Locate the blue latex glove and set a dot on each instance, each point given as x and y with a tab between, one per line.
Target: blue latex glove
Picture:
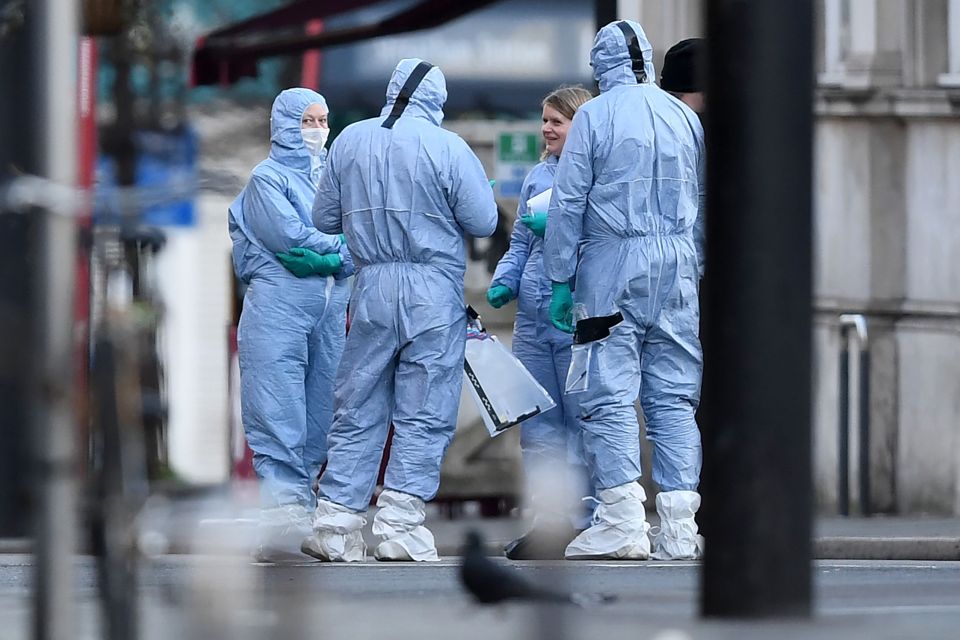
537	223
561	307
499	295
305	262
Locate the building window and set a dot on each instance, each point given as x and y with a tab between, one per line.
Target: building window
952	77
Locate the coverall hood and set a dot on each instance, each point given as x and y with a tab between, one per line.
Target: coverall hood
611	59
286	141
428	98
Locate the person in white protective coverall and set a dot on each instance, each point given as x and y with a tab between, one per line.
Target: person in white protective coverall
552	455
626	221
405	193
292	327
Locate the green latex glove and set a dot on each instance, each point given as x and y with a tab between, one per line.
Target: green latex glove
492	182
304	262
561	306
537	223
499	295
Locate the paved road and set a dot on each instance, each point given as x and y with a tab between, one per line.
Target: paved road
210	597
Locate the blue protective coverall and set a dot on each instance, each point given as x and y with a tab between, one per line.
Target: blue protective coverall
404	192
292	329
626	218
542	348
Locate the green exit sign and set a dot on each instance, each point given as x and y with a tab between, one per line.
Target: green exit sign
520	148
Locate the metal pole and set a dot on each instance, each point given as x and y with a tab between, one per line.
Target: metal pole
604	12
858	323
865	507
54	27
756	436
843	429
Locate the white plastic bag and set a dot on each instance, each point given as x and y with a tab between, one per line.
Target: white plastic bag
578	374
505	392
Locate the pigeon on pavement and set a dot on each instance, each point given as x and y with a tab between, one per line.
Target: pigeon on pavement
491	583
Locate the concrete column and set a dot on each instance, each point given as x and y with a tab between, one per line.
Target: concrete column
933	213
885	378
842	205
860	267
887	248
929	331
826	347
928	448
887	211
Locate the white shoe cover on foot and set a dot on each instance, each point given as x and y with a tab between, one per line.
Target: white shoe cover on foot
337	534
677	538
399	525
619	529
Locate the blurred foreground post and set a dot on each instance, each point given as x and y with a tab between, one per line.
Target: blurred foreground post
16	232
756	436
53	30
605	12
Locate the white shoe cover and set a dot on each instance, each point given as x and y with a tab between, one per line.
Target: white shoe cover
619	530
677	538
280	531
337	534
399	525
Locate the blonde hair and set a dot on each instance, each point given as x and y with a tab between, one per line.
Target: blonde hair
566	100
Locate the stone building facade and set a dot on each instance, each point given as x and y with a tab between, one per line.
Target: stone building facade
887	235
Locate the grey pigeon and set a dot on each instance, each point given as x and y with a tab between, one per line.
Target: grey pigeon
491	583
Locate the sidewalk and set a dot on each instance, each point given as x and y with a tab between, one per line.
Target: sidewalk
835	538
887	538
854	538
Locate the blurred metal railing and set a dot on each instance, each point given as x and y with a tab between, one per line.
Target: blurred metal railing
853	327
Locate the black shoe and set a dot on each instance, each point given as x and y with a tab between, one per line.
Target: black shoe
538	544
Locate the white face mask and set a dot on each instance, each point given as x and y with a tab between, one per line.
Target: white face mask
315	139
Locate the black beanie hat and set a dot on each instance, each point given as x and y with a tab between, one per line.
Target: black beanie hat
683	66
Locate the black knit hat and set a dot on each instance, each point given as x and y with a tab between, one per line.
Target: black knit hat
683	67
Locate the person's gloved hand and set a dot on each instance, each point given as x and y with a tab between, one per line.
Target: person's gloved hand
561	307
499	295
347	268
304	262
537	223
